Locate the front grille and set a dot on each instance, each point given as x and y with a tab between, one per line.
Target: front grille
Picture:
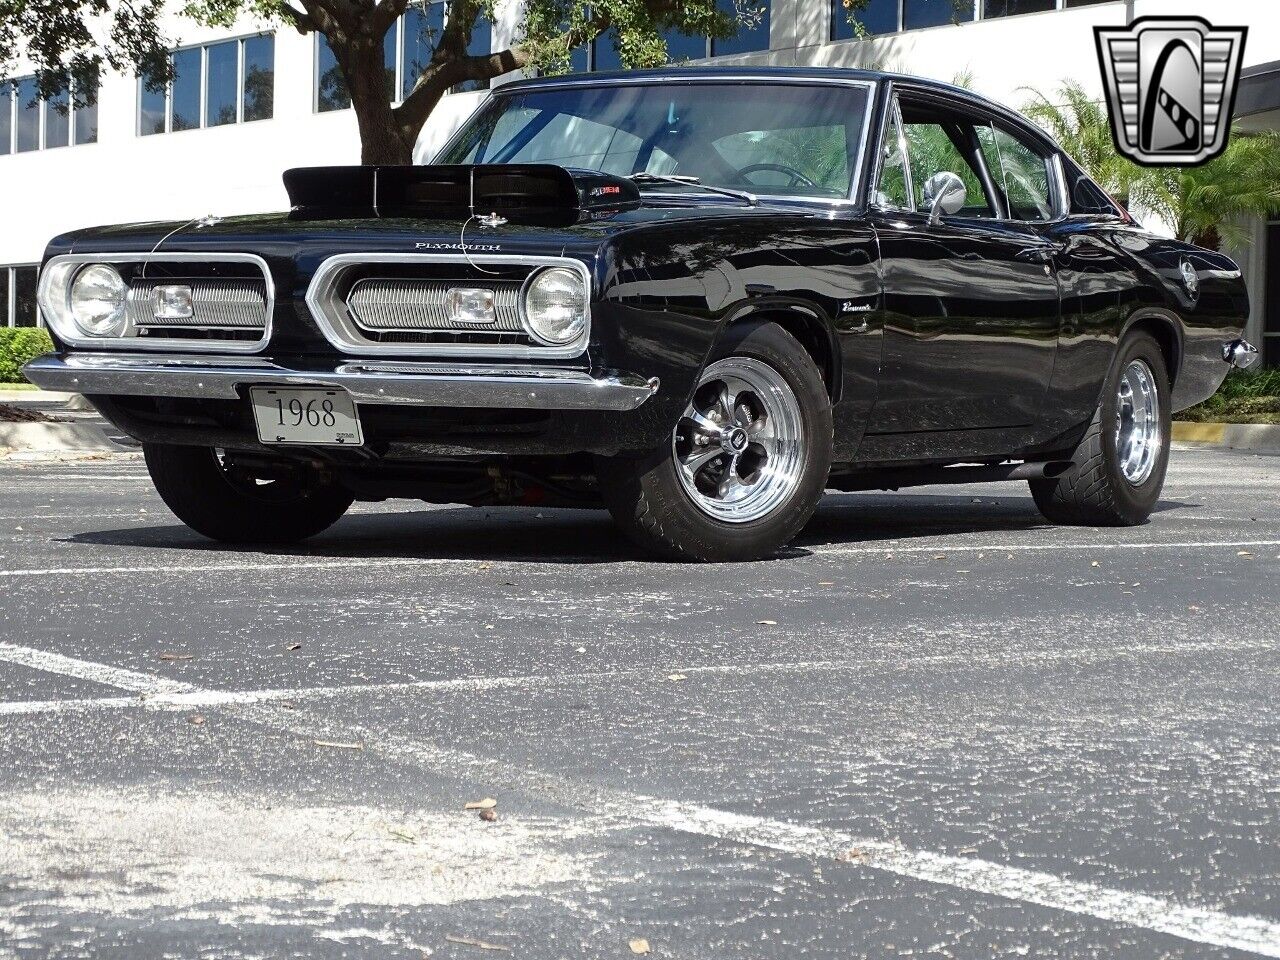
238	307
381	305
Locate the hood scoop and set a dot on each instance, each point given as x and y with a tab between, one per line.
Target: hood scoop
534	194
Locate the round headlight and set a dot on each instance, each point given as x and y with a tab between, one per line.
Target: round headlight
97	301
556	305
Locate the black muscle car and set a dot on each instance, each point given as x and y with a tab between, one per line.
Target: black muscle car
695	297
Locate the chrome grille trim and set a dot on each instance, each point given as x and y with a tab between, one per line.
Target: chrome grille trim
336	321
216	304
165	343
380	305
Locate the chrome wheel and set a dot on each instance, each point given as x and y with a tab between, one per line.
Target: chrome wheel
1138	439
738	447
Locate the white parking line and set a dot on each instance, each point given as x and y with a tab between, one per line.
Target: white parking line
285	564
196	697
1197	924
943	547
88	670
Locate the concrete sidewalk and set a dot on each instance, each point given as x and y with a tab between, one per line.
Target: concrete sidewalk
1255	437
74	427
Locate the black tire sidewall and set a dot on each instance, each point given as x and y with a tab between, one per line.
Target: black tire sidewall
676	526
192	483
1135	502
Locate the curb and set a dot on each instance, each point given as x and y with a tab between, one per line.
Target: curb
57	438
1261	437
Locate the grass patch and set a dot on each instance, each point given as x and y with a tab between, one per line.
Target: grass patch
1244	397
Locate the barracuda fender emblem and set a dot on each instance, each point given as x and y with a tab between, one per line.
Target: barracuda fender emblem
1171	86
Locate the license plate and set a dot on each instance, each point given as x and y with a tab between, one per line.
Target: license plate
313	416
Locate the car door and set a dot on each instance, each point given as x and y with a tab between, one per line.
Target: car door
971	303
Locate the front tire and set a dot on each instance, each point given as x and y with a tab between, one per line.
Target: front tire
1118	469
224	502
747	462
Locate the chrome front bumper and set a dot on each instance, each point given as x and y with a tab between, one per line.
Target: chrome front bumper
368	381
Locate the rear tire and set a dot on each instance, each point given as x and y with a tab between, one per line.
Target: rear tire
229	505
735	485
1118	469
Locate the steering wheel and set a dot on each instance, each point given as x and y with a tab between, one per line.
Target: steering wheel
798	179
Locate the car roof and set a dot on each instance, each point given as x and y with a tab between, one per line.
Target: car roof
778	74
728	73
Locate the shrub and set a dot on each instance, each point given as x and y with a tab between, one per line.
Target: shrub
17	346
1246	396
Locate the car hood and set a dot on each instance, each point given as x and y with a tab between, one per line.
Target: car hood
284	235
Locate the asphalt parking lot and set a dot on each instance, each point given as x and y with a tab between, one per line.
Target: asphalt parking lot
937	727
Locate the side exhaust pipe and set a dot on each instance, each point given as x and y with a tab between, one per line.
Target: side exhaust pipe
927	476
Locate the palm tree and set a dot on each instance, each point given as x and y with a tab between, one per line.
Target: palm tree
1207	205
1080	125
1204	205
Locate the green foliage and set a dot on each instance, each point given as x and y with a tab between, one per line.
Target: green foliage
1205	204
1202	204
1246	396
17	346
1081	126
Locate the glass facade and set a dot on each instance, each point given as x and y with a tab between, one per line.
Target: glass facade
26	111
917	14
57	120
220	96
258	96
753	30
1011	8
880	16
232	81
419	32
19	287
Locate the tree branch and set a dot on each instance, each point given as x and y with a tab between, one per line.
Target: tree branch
300	21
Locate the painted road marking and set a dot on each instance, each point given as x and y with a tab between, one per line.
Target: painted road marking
194	697
286	563
1196	924
122	679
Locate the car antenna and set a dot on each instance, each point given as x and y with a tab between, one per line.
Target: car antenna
462	238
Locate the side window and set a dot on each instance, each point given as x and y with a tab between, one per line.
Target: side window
893	191
933	140
1022	173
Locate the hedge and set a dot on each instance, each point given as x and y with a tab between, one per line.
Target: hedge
17	346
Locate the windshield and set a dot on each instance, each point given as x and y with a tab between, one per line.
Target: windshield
776	139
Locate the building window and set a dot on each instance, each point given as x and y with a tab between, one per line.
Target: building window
602	52
18	297
751	36
880	16
28	122
232	81
406	52
1011	8
934	13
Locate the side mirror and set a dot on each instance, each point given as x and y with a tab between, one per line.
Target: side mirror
944	193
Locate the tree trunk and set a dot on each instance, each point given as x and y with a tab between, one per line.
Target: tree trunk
1209	239
380	140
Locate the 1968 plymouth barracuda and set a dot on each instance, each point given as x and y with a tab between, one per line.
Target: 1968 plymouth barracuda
698	298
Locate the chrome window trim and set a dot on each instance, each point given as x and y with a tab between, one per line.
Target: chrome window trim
155	344
855	176
329	314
